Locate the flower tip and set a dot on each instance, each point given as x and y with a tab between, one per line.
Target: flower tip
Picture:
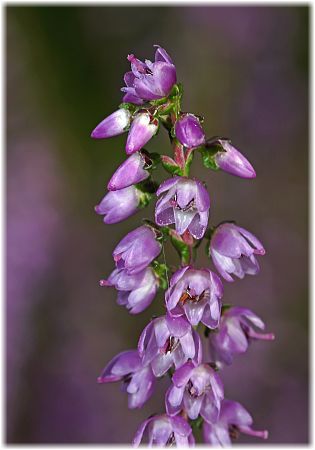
104	283
100	380
265	434
97	209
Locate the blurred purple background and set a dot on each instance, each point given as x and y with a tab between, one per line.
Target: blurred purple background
246	70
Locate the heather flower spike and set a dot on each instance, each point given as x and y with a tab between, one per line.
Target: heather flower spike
171	344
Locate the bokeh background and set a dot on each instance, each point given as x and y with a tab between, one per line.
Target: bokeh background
245	68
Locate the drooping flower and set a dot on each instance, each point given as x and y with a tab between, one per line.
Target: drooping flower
197	293
184	202
137	250
169	340
117	123
149	81
136	292
234	334
164	431
137	380
233	251
197	390
233	419
118	205
131	171
229	159
144	126
188	131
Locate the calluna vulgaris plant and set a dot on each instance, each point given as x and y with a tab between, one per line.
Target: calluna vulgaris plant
171	344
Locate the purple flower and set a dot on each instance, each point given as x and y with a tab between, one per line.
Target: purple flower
118	205
189	132
232	161
149	81
130	172
165	431
136	291
235	331
233	419
137	250
116	123
197	293
186	203
144	126
233	251
169	340
138	380
198	390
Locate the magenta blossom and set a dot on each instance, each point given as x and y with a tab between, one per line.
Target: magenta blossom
136	292
131	171
232	161
197	390
149	81
236	330
233	419
196	293
189	132
169	340
117	123
137	380
165	431
184	202
119	205
137	250
144	126
233	251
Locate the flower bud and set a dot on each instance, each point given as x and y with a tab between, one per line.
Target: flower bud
142	129
130	172
115	124
232	161
189	131
118	205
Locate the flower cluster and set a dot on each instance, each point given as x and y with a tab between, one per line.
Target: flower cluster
171	344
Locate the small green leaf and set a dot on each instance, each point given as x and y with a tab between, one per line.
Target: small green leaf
196	424
130	106
161	271
208	157
174	169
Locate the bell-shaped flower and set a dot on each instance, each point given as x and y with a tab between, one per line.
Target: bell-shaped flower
131	171
136	292
233	419
232	161
117	123
197	390
149	81
197	294
164	431
137	380
144	126
168	341
235	332
185	202
119	205
233	251
137	250
189	132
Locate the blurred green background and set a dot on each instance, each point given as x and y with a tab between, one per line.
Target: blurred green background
245	68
